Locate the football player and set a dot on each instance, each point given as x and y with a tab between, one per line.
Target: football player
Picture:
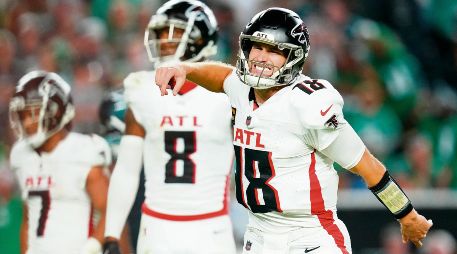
61	173
288	131
112	113
183	141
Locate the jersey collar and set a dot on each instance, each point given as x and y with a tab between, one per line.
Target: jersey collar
187	87
251	97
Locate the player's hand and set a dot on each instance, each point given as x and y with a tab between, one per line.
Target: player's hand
414	228
111	247
170	76
92	246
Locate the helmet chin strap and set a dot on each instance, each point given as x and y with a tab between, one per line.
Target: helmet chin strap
259	82
36	140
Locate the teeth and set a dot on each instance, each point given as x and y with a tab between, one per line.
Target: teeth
263	68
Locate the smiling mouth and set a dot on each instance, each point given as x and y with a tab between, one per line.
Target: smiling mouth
261	69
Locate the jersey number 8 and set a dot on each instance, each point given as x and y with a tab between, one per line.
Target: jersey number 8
171	147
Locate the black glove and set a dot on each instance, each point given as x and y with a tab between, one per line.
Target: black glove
111	247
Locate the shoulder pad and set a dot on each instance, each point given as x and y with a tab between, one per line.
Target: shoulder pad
136	79
135	84
19	148
102	151
317	103
139	88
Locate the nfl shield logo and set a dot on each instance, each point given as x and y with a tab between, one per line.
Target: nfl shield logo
248	120
248	246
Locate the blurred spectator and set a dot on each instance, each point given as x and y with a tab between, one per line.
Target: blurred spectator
17	8
90	42
120	25
133	59
439	242
30	39
443	133
10	212
97	42
395	62
442	18
10	71
409	19
87	90
419	156
66	15
391	242
437	121
374	120
46	59
226	42
397	68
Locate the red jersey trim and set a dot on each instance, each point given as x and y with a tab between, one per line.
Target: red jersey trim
187	87
90	230
224	211
318	207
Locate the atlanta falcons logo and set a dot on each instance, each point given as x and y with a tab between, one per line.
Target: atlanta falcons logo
198	11
299	32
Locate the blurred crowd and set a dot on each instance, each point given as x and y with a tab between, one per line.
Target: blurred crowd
395	62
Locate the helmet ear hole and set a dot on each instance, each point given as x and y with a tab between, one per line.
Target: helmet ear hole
246	45
199	41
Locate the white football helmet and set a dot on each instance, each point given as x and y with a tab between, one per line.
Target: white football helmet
47	96
200	31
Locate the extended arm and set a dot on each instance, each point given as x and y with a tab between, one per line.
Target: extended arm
97	188
414	227
210	75
348	146
125	178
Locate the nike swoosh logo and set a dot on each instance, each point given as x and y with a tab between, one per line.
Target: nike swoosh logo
323	113
311	249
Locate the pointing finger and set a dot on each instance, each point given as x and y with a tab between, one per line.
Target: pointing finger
179	82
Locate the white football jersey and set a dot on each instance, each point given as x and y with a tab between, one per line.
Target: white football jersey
53	186
188	151
280	175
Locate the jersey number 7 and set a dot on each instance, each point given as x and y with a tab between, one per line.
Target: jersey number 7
45	205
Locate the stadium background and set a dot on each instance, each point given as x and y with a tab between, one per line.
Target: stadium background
394	61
